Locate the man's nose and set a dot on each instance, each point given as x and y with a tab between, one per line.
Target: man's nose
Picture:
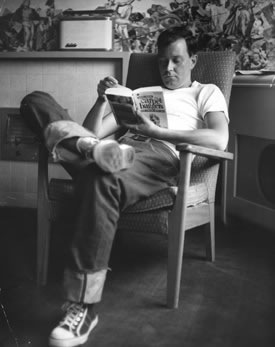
170	66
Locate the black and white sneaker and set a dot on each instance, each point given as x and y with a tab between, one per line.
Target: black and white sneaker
75	327
109	155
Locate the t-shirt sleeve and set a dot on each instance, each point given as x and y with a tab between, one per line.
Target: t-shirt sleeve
211	99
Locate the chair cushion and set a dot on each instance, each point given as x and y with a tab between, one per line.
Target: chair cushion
151	215
61	189
155	222
166	198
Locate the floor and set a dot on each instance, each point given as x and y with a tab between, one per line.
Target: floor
228	303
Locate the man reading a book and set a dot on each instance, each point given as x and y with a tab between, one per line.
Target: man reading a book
112	175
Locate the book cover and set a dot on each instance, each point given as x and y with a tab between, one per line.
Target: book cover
148	100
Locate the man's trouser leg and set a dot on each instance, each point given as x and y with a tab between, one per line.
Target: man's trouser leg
101	197
39	109
52	124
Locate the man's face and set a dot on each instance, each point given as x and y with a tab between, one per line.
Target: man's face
175	65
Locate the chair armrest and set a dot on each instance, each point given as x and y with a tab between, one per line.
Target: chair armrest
204	151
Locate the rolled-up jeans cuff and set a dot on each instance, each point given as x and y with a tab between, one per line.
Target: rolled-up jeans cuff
84	287
60	130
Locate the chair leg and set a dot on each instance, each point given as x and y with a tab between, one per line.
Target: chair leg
43	241
176	232
175	254
210	235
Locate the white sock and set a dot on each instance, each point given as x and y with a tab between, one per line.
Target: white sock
86	144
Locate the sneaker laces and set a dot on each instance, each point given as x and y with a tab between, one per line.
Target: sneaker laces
73	315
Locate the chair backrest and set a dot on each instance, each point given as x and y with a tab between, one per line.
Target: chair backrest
212	67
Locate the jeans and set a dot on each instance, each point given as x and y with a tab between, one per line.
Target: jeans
101	198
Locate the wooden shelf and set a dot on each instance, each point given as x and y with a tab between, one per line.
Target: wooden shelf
65	55
123	57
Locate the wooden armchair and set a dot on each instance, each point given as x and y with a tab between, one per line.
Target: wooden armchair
171	211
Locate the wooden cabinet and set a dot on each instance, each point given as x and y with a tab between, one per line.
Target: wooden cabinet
251	177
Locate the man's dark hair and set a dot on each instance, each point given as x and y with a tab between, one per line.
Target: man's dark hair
172	34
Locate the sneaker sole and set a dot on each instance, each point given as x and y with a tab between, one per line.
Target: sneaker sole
74	341
113	157
128	156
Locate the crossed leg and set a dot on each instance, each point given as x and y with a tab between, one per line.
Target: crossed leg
68	141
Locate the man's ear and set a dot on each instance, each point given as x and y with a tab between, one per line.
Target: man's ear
194	59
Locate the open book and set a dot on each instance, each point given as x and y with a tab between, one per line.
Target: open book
149	101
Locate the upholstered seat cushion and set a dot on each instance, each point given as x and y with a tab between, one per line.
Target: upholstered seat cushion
166	198
60	189
149	215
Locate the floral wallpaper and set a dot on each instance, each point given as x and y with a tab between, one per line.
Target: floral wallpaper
245	26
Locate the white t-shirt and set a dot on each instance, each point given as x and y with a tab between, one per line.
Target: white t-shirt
187	107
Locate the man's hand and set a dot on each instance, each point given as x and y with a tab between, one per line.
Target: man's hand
107	82
144	126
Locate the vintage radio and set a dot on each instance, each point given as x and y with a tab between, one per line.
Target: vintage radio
86	32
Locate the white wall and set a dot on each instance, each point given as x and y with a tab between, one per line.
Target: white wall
72	82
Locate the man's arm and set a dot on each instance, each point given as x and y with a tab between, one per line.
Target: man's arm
214	136
97	121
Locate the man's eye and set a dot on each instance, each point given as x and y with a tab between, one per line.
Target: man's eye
178	61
